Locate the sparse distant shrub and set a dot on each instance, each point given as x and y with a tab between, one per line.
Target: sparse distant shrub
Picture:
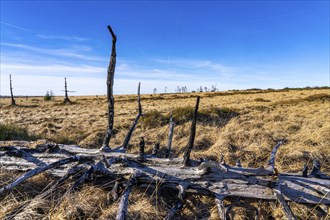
48	96
253	89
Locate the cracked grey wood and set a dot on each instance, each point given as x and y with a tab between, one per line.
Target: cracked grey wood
123	204
207	178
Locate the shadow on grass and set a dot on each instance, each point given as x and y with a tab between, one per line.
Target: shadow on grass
15	132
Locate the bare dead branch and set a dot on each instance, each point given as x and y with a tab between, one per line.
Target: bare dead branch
285	207
123	205
131	130
271	162
222	209
42	169
190	144
170	137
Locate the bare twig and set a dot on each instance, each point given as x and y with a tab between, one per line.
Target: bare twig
131	130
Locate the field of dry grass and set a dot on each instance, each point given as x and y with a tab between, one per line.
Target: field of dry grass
244	125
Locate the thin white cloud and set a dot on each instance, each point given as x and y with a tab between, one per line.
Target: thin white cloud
74	52
199	65
13	26
51	70
58	37
37	70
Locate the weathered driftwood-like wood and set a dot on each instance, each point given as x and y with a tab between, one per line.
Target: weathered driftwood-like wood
41	169
222	209
305	170
316	170
25	210
123	205
12	151
190	144
111	100
170	137
285	207
115	192
271	162
11	92
208	178
131	130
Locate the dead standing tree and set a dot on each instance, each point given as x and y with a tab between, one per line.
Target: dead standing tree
66	97
111	100
66	91
11	92
220	181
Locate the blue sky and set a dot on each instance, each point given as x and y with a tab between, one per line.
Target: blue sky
233	44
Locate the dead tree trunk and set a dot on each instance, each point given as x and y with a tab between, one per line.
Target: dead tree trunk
66	97
190	144
111	101
131	130
11	92
170	137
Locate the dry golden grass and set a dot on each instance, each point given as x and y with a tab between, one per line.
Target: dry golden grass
257	120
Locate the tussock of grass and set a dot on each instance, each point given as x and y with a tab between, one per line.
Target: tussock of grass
153	119
316	97
87	203
311	98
